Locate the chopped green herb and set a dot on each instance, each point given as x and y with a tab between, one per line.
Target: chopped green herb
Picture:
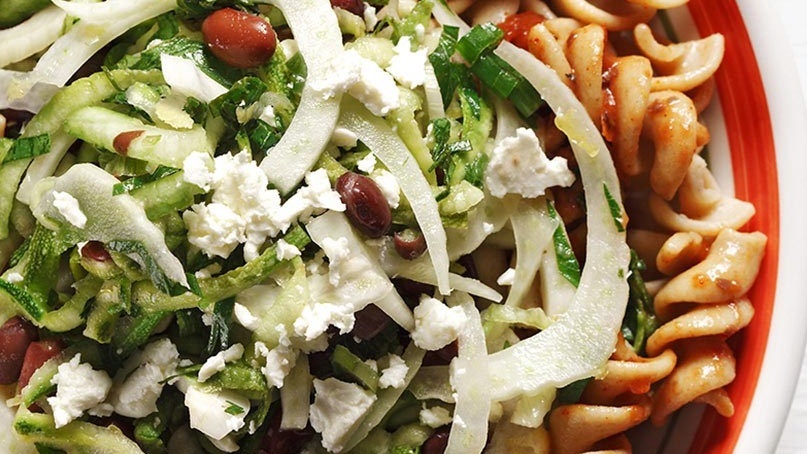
27	147
567	262
138	181
616	210
233	409
640	319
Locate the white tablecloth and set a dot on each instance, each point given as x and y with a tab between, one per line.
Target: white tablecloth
792	13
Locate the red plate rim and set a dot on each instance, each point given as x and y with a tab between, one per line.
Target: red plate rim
753	157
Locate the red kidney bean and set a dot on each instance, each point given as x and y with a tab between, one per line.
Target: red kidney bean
16	335
239	39
367	208
369	322
35	356
409	244
437	442
122	141
95	250
354	6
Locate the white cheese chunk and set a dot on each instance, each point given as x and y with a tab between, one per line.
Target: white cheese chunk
79	388
218	362
507	278
337	410
518	165
434	417
69	208
363	79
134	393
406	66
216	414
436	325
394	375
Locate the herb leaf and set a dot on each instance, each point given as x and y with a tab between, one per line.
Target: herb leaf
27	147
567	262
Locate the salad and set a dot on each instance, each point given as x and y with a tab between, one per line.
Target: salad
396	226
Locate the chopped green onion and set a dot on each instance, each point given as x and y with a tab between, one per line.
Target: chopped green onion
480	39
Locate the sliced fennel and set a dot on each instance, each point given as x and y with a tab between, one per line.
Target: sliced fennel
84	40
391	151
532	228
31	36
469	378
580	342
362	280
387	397
122	221
319	40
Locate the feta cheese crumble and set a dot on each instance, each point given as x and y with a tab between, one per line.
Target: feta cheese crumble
242	209
216	414
285	250
218	362
436	325
343	137
394	375
135	392
338	253
507	278
434	417
79	388
363	79
518	165
69	208
406	66
337	410
279	362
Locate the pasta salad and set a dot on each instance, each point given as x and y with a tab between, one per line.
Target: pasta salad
383	226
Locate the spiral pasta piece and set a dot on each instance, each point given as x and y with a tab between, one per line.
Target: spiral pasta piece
660	4
672	124
683	66
629	376
612	14
705	364
713	319
627	92
546	46
703	208
577	428
681	251
727	273
585	50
